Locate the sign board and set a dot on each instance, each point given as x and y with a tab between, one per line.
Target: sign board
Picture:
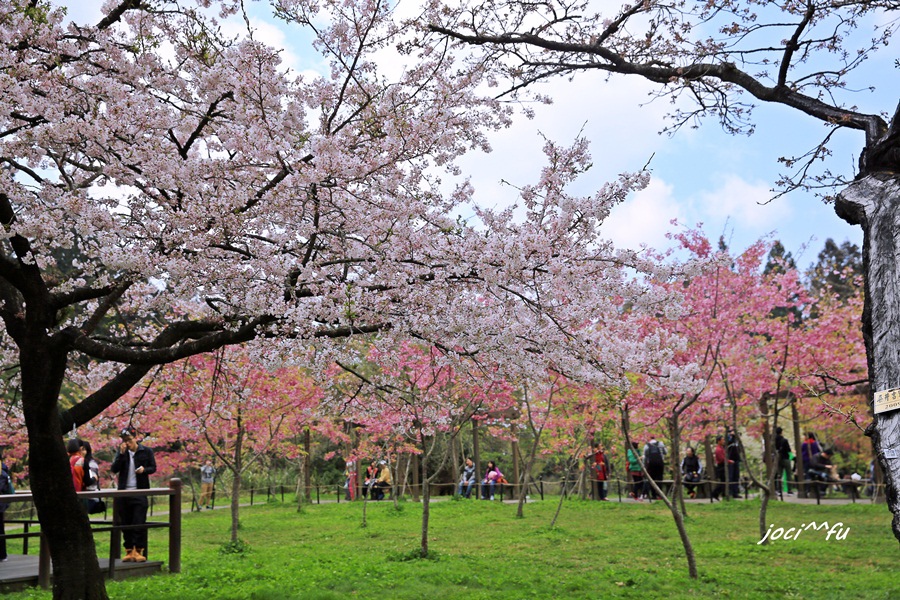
887	400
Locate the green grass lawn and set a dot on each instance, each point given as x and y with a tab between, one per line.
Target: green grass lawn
597	550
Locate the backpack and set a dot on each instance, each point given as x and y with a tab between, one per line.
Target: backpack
654	455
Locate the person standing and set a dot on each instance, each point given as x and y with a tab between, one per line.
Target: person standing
600	472
133	463
350	480
76	463
207	482
91	478
782	461
719	458
655	462
634	470
733	452
809	448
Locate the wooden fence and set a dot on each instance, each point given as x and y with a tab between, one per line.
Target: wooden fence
31	527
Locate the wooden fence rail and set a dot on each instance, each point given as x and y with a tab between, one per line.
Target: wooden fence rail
538	488
173	492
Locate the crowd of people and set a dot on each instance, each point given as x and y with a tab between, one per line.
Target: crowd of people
817	466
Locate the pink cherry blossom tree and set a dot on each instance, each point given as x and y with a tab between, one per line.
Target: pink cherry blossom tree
716	59
238	411
421	397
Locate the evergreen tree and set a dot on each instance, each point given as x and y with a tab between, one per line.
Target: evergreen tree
779	260
838	269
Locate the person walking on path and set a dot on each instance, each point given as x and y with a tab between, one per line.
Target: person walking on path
635	472
782	461
655	462
207	482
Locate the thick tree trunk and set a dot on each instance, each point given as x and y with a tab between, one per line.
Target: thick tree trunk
64	521
873	202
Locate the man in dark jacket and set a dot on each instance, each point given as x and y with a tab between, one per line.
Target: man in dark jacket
782	460
821	468
733	451
134	463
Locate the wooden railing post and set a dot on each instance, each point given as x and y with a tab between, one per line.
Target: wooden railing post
175	485
115	540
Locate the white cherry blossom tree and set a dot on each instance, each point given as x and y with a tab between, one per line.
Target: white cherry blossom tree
167	190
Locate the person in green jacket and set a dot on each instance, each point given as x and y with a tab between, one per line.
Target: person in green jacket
634	470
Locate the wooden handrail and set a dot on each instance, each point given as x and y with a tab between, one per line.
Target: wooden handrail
174	492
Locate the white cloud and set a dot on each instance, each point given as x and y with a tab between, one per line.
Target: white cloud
735	208
645	218
623	137
747	203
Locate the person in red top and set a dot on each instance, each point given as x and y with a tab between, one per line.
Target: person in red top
76	463
719	458
600	472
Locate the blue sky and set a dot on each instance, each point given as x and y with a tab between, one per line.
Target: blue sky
699	175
